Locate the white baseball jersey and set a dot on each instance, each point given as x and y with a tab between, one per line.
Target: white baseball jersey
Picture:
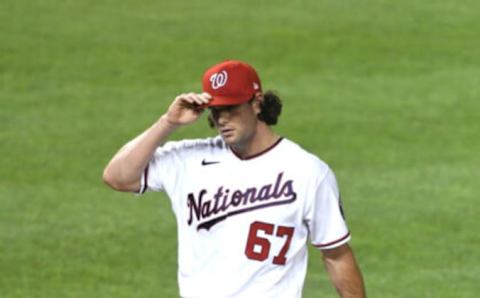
243	224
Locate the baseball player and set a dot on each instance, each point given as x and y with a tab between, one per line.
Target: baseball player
248	201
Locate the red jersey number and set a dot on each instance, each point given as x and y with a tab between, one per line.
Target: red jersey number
258	247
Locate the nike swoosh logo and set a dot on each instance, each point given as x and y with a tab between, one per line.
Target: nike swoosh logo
206	163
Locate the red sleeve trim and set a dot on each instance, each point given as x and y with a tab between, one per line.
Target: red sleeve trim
333	242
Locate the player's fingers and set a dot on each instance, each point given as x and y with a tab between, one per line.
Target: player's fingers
205	97
197	99
194	101
183	98
186	100
189	97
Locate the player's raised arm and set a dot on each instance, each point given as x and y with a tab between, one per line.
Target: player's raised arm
124	170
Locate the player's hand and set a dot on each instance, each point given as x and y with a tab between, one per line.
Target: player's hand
187	108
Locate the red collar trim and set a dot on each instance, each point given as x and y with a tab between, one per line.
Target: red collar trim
257	154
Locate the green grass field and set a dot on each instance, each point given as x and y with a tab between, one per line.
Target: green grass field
387	92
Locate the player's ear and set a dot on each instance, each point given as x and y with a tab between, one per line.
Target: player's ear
257	102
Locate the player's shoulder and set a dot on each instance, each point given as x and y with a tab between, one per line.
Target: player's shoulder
304	158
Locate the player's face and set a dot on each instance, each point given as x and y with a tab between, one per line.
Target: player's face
236	124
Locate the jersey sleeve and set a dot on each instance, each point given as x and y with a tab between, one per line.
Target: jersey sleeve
325	219
163	169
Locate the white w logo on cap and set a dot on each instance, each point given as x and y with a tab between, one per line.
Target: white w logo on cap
219	79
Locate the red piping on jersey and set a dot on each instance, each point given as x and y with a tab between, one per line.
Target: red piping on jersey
333	242
257	154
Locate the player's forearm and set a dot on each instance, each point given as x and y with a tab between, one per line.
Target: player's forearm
350	285
125	169
345	273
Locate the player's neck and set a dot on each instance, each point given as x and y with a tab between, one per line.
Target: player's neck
263	139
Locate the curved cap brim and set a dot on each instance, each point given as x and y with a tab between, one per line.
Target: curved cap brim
228	101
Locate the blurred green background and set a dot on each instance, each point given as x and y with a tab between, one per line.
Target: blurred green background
387	92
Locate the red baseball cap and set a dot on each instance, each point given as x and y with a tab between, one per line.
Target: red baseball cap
231	82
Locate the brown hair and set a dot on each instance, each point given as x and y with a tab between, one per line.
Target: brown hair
270	108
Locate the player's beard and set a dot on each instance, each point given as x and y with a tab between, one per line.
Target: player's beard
238	128
237	138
